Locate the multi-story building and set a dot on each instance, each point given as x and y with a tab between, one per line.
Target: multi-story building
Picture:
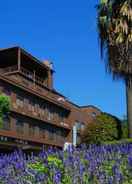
39	114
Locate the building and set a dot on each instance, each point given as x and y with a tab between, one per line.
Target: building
39	114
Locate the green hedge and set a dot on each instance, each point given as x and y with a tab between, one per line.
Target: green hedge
122	141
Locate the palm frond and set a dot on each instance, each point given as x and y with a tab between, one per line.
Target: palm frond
114	21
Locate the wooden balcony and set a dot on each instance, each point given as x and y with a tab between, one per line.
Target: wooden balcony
33	83
35	139
28	74
9	69
40	117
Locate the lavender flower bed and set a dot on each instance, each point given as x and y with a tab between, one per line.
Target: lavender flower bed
110	164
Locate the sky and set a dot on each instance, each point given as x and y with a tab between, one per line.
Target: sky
65	33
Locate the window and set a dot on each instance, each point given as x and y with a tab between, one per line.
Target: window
94	114
49	116
80	125
43	111
36	107
39	110
51	132
20	101
19	126
31	130
60	134
50	113
6	122
61	115
25	102
29	106
33	106
42	133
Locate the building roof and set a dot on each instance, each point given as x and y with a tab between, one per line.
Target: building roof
90	106
34	59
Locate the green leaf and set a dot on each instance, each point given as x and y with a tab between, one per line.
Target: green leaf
103	1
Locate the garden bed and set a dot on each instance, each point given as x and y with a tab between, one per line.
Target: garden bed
108	164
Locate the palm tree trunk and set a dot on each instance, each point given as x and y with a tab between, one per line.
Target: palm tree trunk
129	104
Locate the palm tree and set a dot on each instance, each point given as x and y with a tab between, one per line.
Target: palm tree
115	33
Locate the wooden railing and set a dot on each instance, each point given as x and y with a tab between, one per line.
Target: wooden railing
9	69
34	83
28	74
56	121
32	76
36	139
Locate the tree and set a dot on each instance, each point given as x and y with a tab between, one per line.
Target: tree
115	33
4	107
104	127
124	125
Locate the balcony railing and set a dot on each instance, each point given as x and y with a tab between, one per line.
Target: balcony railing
56	121
34	82
28	74
36	139
9	69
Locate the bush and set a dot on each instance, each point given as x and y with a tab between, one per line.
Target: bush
124	126
119	142
4	107
4	104
104	128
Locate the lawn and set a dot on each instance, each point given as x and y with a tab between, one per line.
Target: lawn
108	164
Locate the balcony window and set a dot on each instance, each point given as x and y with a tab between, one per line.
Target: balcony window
60	134
51	132
61	116
36	107
20	101
25	101
39	111
31	130
29	106
42	133
19	126
43	112
33	106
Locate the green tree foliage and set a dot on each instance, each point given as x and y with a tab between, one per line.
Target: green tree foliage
115	33
114	21
124	126
104	128
4	107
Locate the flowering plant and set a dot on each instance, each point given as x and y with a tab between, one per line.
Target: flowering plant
110	164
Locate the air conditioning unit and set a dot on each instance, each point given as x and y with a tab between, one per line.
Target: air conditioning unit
61	99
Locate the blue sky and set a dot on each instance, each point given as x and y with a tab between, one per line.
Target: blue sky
64	32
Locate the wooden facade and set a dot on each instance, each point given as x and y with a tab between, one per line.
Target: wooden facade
39	114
